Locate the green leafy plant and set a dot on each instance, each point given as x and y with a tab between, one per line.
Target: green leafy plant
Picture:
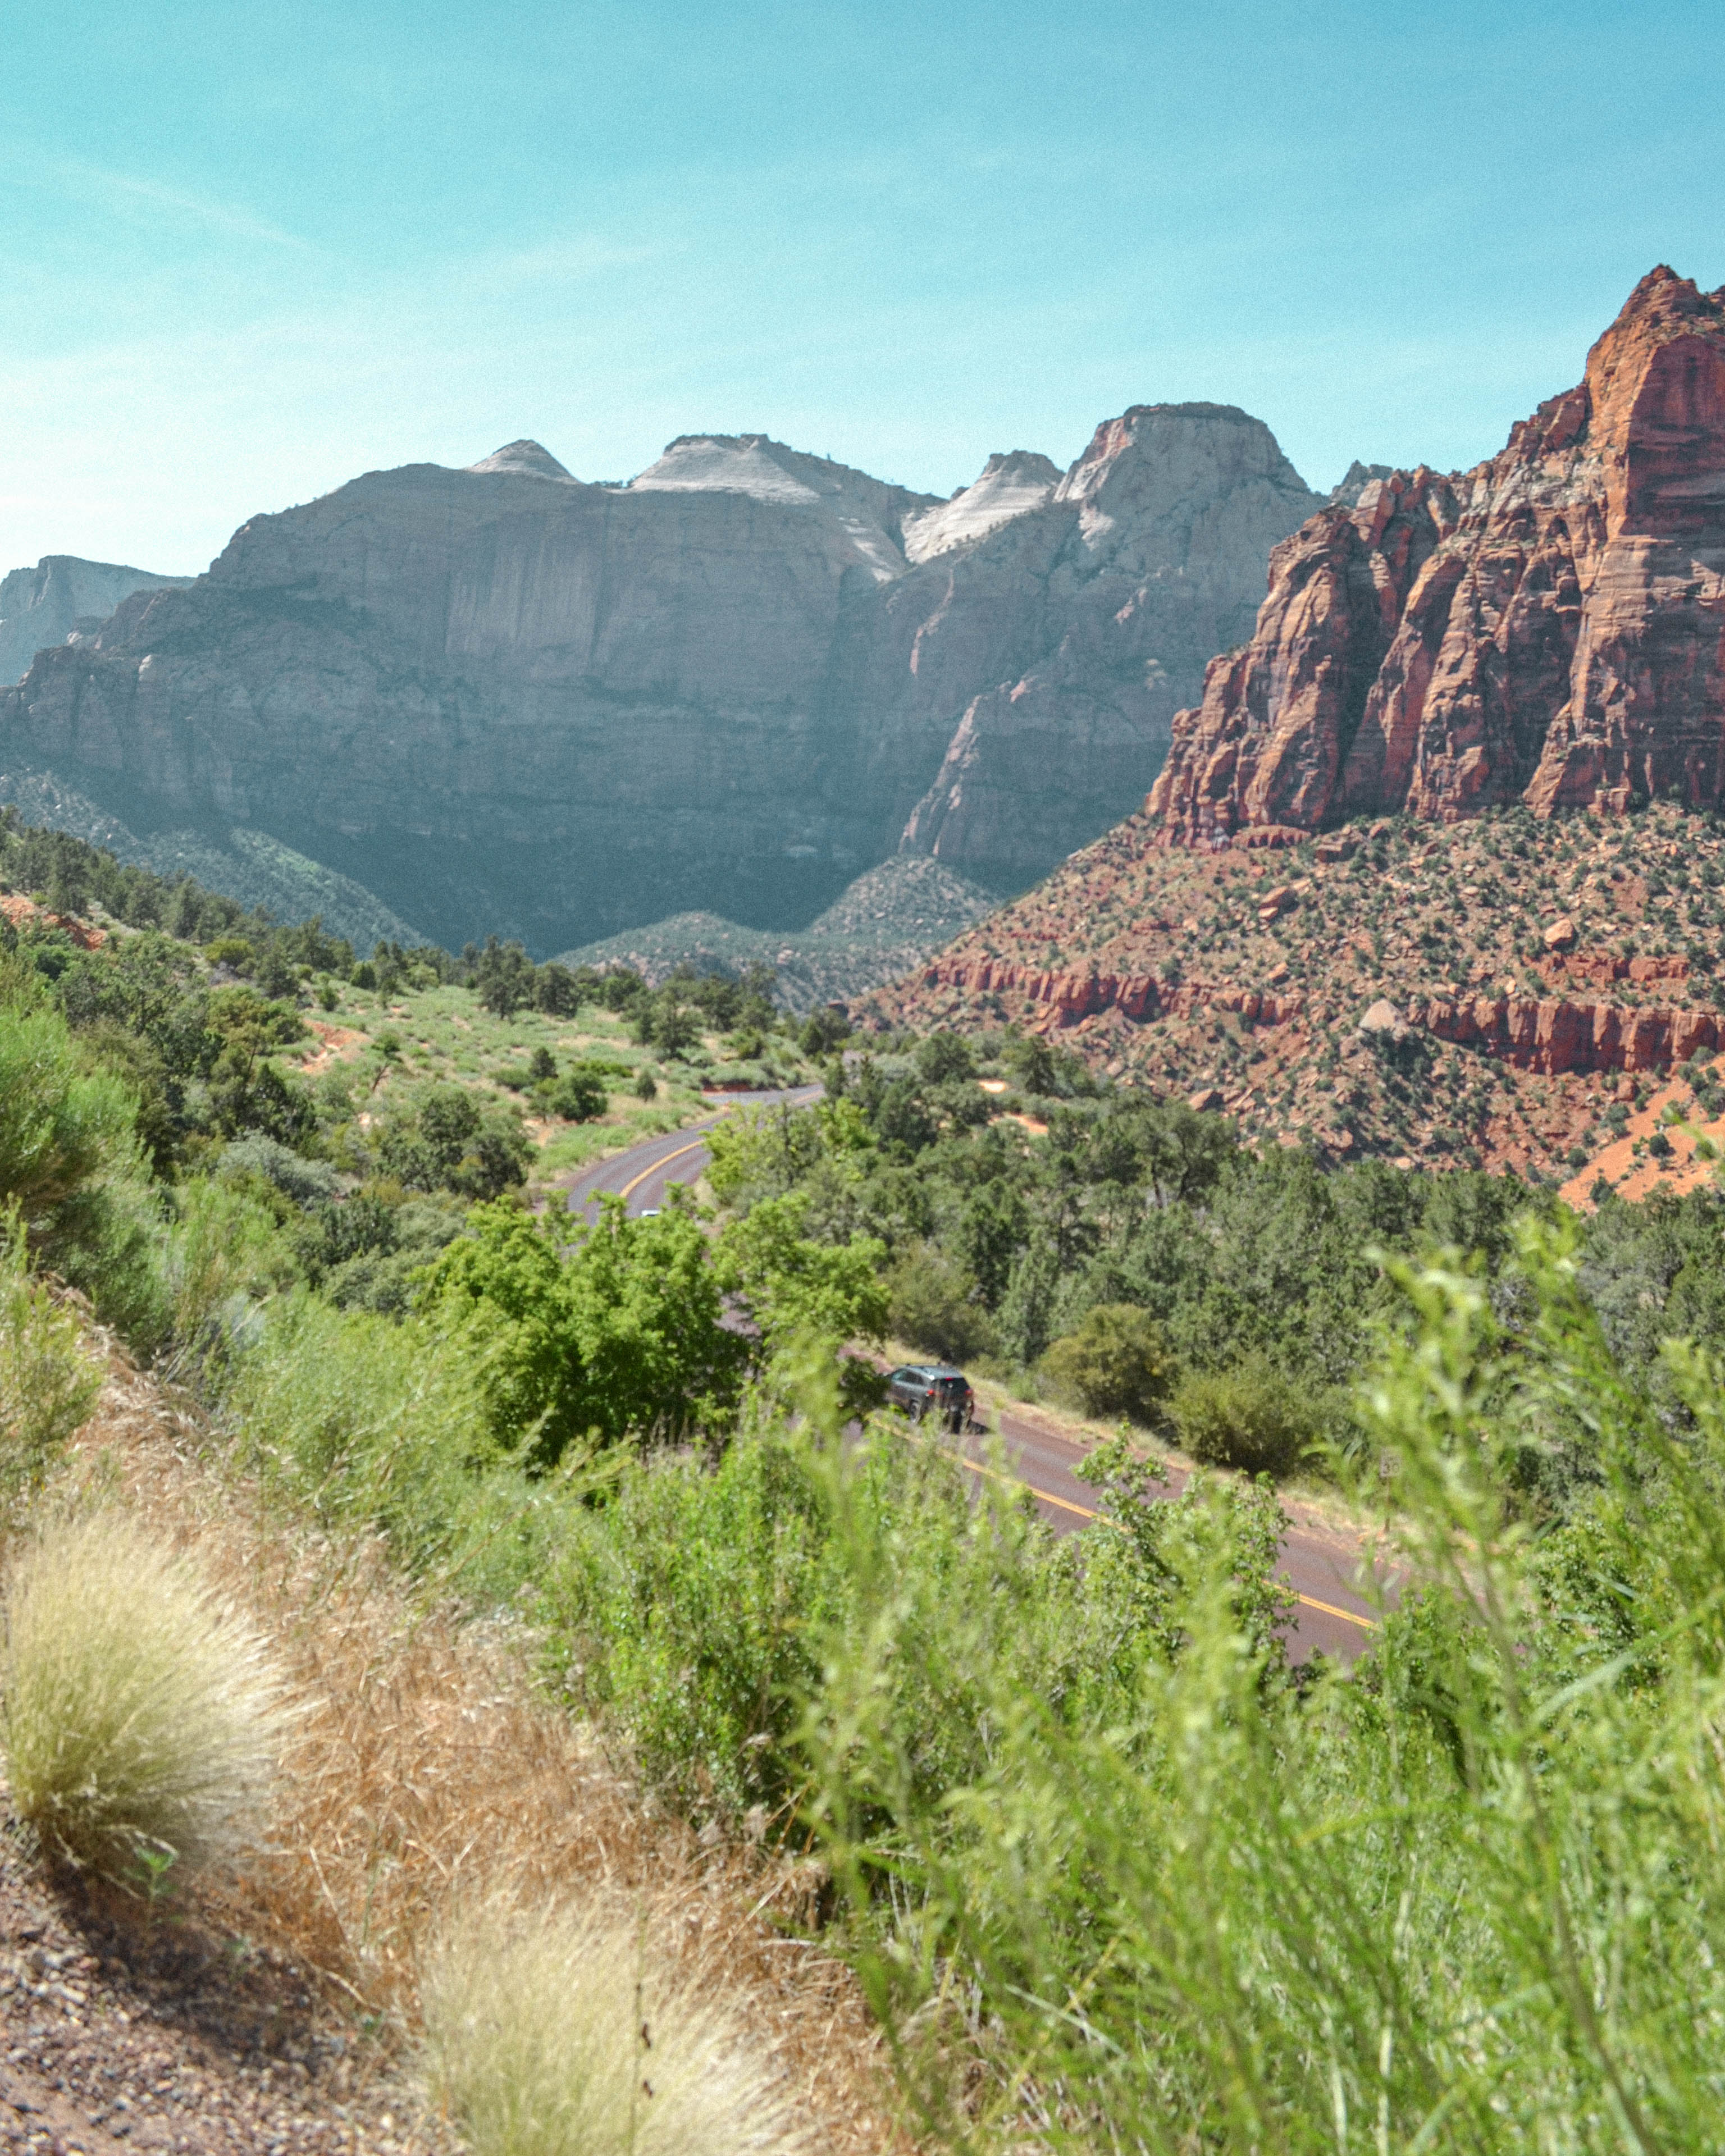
49	1383
1250	1417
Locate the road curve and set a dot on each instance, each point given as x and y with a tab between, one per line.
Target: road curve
1319	1563
641	1176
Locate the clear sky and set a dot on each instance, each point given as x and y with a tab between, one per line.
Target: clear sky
251	249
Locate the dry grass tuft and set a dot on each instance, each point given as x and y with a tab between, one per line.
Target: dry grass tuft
422	1772
565	2034
140	1718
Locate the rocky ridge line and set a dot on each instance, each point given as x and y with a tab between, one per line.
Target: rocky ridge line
505	699
1547	627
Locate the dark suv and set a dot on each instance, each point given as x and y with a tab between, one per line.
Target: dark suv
921	1389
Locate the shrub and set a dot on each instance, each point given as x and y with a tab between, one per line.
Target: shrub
58	1126
305	1180
934	1306
944	1055
48	1383
364	1419
139	1719
234	951
578	1096
1116	1362
565	2034
222	1247
1250	1417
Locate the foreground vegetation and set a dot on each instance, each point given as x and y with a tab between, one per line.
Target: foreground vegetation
1114	1874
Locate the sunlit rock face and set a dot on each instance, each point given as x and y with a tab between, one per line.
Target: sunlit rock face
1548	627
62	596
504	698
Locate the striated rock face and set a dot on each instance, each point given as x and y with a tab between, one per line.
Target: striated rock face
505	699
1007	487
1549	626
1552	1034
62	597
1132	572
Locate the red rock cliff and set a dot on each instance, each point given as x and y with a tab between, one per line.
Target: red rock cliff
1549	626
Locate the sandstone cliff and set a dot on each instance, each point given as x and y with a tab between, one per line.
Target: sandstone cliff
1549	626
504	698
61	597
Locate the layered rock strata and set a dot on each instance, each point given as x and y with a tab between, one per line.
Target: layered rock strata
1546	1034
505	699
1551	1034
1548	627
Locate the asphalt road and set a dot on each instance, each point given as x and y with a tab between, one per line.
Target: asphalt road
1319	1563
640	1176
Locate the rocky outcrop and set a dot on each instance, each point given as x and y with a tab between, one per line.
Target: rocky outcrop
1551	1034
1548	627
1008	486
1066	997
503	698
1546	1034
61	597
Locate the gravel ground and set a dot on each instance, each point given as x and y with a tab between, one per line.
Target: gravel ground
115	2037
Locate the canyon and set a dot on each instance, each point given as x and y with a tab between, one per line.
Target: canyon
502	699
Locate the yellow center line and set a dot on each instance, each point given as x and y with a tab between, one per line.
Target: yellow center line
1084	1512
665	1160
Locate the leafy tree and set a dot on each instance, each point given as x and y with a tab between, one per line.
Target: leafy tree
825	1030
944	1055
936	1305
1117	1363
622	1335
795	1288
557	992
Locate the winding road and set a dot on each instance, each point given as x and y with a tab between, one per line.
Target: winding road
1321	1563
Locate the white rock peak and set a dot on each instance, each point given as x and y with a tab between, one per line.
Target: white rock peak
727	464
1010	483
530	457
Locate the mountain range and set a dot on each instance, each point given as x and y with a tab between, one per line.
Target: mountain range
504	699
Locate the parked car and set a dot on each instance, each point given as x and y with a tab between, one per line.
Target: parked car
937	1388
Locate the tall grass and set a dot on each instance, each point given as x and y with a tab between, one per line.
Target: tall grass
137	1712
222	1248
564	2033
366	1421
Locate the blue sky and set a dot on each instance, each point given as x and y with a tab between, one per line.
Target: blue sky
252	249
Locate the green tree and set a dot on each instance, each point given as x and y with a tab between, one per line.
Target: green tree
796	1288
503	978
1117	1363
621	1335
